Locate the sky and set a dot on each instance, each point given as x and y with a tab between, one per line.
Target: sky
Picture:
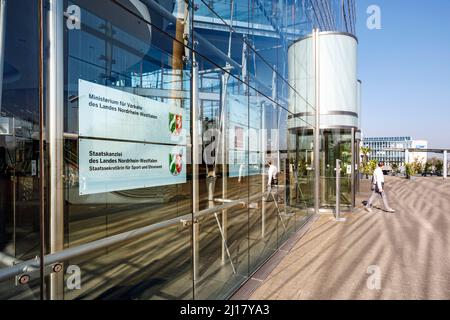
405	70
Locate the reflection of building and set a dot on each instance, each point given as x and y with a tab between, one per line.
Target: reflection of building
391	150
224	63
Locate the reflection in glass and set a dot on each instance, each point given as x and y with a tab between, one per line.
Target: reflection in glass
248	115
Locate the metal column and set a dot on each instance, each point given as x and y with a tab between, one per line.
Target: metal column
223	143
2	46
358	164
277	109
263	163
224	136
317	121
42	180
338	192
55	114
445	164
353	183
196	160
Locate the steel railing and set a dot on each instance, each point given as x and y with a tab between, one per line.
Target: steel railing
71	253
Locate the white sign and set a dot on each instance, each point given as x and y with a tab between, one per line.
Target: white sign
349	169
106	166
109	113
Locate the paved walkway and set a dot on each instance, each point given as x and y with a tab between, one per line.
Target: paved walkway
409	250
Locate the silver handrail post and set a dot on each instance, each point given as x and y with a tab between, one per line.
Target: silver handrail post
223	142
338	192
263	164
196	160
317	120
445	164
55	108
224	160
352	173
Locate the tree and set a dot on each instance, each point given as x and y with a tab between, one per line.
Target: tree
369	168
365	169
409	170
439	165
427	168
417	166
365	151
395	167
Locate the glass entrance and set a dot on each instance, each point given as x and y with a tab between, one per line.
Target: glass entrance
335	144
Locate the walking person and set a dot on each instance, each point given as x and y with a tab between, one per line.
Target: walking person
272	179
378	189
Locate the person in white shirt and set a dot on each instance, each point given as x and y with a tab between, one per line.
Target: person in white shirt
271	180
378	189
273	171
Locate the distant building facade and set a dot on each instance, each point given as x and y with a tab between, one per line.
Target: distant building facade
420	156
391	150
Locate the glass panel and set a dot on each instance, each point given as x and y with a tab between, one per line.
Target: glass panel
264	214
19	143
157	266
219	27
127	142
138	87
223	243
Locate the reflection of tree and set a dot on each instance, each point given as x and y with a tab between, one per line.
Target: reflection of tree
302	167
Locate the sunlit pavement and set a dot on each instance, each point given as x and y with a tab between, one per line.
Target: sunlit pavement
378	255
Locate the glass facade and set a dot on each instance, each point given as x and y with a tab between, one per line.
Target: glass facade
89	176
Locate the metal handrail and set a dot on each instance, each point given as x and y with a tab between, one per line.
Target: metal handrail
64	255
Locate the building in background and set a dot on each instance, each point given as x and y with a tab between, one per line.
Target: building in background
157	120
391	150
418	156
